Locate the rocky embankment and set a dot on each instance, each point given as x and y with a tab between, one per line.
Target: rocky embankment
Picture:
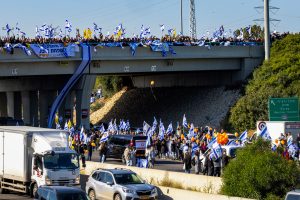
202	106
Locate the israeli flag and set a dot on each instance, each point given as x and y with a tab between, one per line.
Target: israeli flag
232	143
184	122
58	126
127	127
72	131
102	129
170	32
146	128
37	32
195	147
154	125
191	131
68	26
162	27
289	141
110	127
148	141
216	151
162	130
104	137
243	137
265	134
23	34
170	129
24	48
8	29
292	149
81	134
212	143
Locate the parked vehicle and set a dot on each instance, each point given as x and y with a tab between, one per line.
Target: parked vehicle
275	128
293	195
60	193
118	143
31	157
118	184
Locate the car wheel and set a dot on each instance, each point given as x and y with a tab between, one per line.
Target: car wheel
117	197
92	195
34	190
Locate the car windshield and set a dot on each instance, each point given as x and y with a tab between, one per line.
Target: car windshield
71	196
129	178
61	161
293	197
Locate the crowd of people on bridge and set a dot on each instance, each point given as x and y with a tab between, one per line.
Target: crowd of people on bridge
200	148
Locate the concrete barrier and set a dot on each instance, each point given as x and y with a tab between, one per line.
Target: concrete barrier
206	184
166	193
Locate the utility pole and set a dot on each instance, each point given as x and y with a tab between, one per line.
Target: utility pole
267	29
193	31
181	20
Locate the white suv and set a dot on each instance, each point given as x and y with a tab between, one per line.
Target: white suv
293	195
118	184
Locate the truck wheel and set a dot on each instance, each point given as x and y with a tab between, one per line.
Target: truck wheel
92	195
117	197
34	189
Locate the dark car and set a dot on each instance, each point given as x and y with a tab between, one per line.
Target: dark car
118	143
60	193
9	121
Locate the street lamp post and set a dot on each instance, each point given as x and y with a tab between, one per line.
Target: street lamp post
267	29
181	20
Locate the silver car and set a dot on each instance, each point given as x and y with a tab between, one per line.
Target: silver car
118	184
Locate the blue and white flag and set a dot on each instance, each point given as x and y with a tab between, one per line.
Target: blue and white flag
110	127
162	27
58	126
102	128
243	137
289	141
81	134
169	129
146	128
148	141
195	147
8	48
292	149
184	122
216	151
265	134
162	131
24	48
133	46
72	131
68	26
232	143
154	125
96	29
8	29
104	137
212	143
191	131
66	128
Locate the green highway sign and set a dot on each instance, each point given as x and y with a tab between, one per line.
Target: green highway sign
284	109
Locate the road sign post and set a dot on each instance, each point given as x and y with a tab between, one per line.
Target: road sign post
284	109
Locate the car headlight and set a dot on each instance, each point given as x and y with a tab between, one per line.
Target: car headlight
48	180
154	190
126	190
77	180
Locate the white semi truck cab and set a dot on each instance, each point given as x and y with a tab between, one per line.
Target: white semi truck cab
32	157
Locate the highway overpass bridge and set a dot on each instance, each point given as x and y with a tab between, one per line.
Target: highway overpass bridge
30	86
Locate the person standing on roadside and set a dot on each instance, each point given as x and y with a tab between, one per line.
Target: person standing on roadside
102	151
187	162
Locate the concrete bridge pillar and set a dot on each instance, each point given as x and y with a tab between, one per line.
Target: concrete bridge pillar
17	105
83	100
68	105
26	107
10	104
3	104
46	98
34	108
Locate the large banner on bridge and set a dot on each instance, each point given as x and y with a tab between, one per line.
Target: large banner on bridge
54	50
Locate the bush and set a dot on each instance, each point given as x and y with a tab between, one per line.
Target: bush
109	84
259	173
280	77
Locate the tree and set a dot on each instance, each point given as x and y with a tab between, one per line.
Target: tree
280	77
259	173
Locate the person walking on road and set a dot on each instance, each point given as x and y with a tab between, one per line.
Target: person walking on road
102	151
197	162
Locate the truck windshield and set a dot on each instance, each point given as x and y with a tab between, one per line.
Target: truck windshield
61	161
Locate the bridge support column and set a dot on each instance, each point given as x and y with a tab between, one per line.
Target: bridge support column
10	104
247	67
18	105
34	108
68	106
83	100
26	107
3	104
45	101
